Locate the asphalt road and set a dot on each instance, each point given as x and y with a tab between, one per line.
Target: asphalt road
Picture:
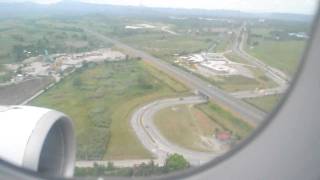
276	75
142	119
142	122
249	113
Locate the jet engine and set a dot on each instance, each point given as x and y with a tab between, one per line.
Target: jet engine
37	139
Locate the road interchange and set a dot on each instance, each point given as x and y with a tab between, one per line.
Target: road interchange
142	118
280	78
247	112
142	122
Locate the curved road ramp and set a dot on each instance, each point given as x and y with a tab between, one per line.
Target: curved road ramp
142	122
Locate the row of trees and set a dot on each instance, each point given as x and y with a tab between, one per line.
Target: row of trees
174	162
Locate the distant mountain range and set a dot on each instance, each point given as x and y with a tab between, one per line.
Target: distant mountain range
80	8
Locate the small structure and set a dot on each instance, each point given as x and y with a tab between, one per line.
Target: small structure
224	139
223	136
301	35
213	64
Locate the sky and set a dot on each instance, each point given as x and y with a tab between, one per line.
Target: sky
285	6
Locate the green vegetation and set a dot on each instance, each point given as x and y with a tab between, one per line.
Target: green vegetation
275	47
149	169
173	163
190	38
24	38
226	119
165	47
266	103
186	125
100	100
284	55
241	83
176	162
261	81
5	75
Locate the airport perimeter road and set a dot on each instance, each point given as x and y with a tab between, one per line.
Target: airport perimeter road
142	122
249	113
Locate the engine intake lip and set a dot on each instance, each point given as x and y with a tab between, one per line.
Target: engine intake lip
53	134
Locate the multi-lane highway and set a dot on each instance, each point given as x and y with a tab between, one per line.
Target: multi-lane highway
249	113
142	119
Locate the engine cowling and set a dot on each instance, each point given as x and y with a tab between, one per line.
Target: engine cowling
37	139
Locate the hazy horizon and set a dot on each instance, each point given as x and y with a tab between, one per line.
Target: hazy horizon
262	6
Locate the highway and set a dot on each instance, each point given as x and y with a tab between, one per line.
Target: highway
280	78
142	122
249	113
276	75
142	119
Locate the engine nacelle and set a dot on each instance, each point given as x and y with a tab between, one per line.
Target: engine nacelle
38	139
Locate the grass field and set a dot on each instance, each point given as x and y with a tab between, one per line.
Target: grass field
101	99
266	103
282	54
165	46
185	125
226	119
241	83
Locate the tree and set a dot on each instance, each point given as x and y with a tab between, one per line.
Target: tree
176	162
77	82
110	166
144	83
18	53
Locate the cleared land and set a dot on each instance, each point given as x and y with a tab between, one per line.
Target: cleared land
101	99
15	94
187	126
266	103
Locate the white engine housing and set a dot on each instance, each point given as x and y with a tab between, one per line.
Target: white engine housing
37	139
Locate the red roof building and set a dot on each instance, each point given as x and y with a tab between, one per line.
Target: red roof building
223	136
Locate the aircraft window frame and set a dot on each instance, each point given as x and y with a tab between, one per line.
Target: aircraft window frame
10	171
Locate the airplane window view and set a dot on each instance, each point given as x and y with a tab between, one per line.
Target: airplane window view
146	87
